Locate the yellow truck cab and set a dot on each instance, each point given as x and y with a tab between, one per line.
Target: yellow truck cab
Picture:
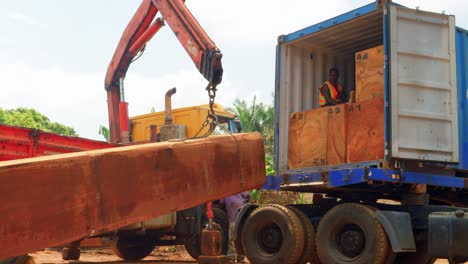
191	117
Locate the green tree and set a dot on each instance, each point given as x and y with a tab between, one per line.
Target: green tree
2	116
256	117
260	117
31	118
105	132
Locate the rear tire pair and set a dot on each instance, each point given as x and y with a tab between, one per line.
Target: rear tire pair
341	226
71	253
349	233
278	234
132	248
23	259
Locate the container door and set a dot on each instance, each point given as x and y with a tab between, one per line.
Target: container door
423	88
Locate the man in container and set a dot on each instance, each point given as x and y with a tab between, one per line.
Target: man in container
232	204
331	91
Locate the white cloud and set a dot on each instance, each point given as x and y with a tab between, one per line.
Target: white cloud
79	99
21	17
249	24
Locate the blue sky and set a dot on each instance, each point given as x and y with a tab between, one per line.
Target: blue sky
54	53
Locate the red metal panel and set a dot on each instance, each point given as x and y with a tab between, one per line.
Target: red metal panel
113	102
53	200
19	143
124	122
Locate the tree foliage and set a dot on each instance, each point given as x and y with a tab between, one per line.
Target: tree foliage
31	118
256	117
105	132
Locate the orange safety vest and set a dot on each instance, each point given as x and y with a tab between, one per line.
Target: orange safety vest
333	92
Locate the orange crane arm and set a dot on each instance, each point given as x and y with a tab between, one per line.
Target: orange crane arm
200	48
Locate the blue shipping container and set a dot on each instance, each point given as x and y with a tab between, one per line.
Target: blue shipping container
424	82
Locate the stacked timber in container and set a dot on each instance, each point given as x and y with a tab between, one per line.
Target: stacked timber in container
369	74
366	115
344	133
310	141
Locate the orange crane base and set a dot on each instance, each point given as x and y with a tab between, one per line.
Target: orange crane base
49	201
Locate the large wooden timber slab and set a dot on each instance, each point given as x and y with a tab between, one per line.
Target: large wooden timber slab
317	137
53	200
366	131
296	124
370	74
336	140
313	138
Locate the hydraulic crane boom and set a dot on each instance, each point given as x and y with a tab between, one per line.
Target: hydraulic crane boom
201	49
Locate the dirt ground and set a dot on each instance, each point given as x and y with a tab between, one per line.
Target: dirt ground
161	255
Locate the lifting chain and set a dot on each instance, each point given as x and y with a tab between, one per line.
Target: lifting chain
211	118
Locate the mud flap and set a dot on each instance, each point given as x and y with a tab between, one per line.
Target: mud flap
399	230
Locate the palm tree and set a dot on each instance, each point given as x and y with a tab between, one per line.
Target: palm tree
256	117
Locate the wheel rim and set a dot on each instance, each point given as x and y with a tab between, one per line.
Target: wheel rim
349	241
270	238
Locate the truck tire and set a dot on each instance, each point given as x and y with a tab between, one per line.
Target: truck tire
221	222
309	254
273	234
132	248
350	233
23	259
72	253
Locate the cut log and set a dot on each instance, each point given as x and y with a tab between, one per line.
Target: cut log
366	131
336	141
49	201
370	74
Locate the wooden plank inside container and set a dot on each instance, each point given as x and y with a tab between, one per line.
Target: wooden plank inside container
313	138
366	131
336	142
296	124
370	74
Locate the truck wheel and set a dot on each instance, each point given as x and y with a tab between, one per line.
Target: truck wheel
132	248
72	253
350	233
23	259
309	254
273	234
220	222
